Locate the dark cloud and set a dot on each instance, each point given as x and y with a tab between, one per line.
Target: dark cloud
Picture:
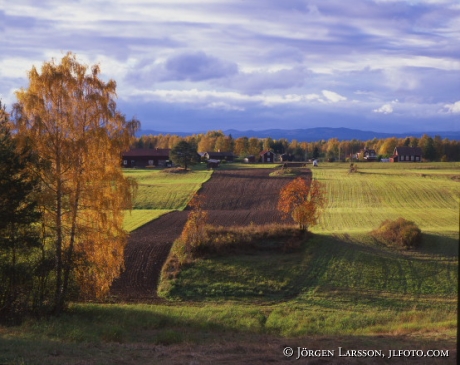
197	66
186	66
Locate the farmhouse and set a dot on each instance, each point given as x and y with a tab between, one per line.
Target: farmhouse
367	155
143	157
267	156
227	156
406	154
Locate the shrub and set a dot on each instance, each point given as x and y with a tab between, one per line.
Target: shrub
285	171
353	168
400	232
270	237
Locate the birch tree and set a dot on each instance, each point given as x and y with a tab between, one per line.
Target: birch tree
69	118
304	201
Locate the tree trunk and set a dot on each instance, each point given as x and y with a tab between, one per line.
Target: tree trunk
73	232
59	294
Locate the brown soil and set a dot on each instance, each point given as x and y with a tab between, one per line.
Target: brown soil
232	198
147	249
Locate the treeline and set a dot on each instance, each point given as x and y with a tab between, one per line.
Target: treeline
433	148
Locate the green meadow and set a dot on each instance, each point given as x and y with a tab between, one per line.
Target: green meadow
427	194
340	287
160	192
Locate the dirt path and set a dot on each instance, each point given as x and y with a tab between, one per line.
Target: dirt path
232	198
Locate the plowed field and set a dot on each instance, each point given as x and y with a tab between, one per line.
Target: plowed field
232	198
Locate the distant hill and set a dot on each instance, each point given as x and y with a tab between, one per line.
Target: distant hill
314	134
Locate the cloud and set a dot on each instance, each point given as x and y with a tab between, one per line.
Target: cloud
214	98
401	79
453	108
197	66
257	81
384	109
183	67
229	56
223	106
333	97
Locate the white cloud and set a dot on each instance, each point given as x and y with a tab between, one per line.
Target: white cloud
333	97
453	108
223	106
398	79
223	99
385	109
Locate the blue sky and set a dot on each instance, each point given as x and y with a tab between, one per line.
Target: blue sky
197	65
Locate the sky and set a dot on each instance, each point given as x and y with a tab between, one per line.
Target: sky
199	65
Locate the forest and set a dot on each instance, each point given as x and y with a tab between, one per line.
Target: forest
434	148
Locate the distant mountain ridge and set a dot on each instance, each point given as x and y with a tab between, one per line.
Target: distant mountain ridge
314	134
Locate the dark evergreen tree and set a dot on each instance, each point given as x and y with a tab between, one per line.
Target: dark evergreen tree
315	153
184	154
19	239
429	151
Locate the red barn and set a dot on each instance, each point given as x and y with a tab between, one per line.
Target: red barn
144	157
407	154
267	156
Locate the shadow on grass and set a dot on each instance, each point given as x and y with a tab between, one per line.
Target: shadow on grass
145	334
362	272
439	245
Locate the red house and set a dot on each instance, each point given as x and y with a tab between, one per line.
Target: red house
267	156
407	154
144	157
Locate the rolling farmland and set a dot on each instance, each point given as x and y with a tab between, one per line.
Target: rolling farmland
159	193
341	288
359	202
160	190
155	222
250	198
342	270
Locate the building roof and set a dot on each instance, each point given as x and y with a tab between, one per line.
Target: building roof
411	151
147	152
264	152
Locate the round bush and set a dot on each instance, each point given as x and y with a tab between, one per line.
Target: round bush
400	232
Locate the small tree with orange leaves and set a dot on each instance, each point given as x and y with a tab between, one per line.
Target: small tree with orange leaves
303	200
194	232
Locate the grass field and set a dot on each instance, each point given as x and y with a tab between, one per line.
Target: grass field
138	217
159	193
427	194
